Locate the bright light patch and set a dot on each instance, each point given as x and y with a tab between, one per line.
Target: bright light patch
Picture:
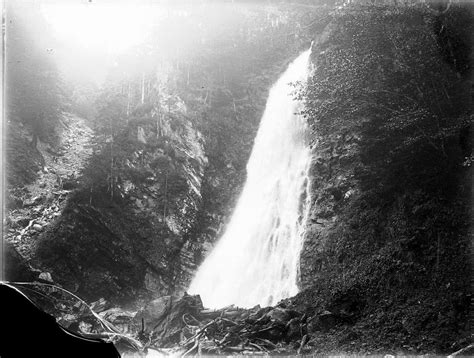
109	27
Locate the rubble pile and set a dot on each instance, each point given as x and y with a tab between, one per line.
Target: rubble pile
183	326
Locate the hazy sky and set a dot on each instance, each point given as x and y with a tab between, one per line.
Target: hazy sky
90	35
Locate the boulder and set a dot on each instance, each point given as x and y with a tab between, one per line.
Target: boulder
45	276
282	315
34	201
154	312
164	317
322	322
294	329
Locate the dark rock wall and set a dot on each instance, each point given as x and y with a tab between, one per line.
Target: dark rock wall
387	242
104	244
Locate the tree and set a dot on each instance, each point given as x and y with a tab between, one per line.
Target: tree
35	95
386	81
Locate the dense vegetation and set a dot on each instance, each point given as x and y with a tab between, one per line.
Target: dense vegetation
35	94
390	108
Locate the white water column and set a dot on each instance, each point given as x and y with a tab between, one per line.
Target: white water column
256	261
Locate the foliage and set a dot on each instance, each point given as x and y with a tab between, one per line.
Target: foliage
390	113
36	95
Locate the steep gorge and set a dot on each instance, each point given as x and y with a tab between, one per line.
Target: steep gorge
164	178
386	251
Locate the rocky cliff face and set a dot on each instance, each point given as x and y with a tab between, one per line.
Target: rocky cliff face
140	226
333	188
169	151
152	200
387	236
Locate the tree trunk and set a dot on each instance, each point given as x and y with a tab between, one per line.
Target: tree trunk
34	141
128	101
187	81
165	196
438	251
36	129
143	87
112	160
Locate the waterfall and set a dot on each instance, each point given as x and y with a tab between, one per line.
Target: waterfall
256	261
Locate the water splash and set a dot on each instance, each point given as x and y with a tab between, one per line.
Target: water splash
257	259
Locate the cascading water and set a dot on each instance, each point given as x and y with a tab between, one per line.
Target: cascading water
256	261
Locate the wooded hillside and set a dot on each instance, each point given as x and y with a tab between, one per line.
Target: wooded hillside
390	105
118	191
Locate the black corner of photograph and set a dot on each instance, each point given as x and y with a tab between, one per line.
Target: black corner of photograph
27	331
